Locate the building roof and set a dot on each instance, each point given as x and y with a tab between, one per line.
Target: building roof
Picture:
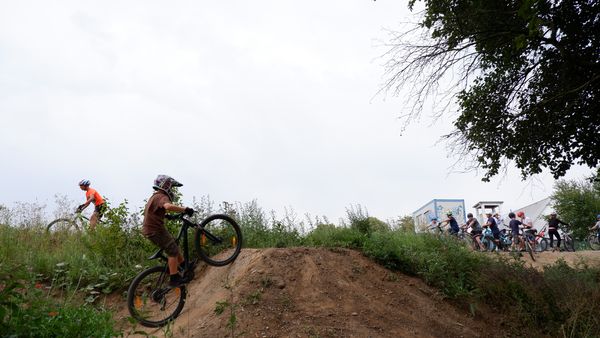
487	203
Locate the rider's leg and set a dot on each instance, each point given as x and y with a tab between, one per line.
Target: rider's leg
164	240
553	233
94	221
478	240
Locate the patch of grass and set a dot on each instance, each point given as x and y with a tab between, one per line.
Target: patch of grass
26	311
254	297
220	307
266	282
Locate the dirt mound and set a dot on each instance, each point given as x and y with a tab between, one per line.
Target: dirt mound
307	292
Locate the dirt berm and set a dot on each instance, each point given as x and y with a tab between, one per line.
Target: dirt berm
308	292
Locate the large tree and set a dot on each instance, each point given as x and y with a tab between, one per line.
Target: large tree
525	77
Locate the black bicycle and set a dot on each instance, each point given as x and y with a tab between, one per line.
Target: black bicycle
150	299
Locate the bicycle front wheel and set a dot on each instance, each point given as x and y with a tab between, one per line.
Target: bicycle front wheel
151	301
569	244
61	224
218	240
594	242
529	249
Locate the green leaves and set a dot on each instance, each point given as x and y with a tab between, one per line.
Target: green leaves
530	77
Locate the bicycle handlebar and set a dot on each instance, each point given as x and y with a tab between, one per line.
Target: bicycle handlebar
174	216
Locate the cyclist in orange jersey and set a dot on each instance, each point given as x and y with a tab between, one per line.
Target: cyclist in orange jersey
92	196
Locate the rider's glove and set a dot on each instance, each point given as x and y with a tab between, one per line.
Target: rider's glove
80	208
189	211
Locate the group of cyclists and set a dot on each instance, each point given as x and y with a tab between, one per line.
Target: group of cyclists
520	228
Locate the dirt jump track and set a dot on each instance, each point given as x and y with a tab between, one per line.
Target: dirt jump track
311	292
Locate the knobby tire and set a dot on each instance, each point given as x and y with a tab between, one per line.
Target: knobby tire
151	301
569	244
529	249
60	224
542	245
594	242
218	240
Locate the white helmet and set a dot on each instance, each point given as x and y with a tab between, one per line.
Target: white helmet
166	184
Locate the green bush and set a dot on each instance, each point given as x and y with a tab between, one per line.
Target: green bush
442	262
328	235
26	311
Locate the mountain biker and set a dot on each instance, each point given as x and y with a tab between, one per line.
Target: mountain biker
528	228
154	228
553	223
454	229
476	229
514	228
92	196
434	225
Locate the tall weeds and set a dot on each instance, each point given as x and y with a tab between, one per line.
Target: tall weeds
84	267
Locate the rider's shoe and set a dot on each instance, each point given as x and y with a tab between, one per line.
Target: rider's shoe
181	267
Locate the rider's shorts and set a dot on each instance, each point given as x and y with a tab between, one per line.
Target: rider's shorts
99	209
164	240
476	233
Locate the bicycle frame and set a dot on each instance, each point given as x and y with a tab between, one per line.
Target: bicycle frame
541	233
183	234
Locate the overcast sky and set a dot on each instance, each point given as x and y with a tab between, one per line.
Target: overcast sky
239	100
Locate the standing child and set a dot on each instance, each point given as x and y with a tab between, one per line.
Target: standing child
514	225
553	223
154	223
528	229
491	222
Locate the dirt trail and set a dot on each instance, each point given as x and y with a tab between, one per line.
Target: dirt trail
308	292
590	258
311	292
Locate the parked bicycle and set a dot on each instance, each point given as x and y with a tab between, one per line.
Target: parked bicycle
75	221
569	242
541	240
150	299
593	240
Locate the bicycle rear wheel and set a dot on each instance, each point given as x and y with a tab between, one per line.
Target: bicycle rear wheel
61	224
593	242
151	301
542	245
218	240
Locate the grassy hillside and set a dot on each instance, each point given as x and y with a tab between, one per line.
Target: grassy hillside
46	277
